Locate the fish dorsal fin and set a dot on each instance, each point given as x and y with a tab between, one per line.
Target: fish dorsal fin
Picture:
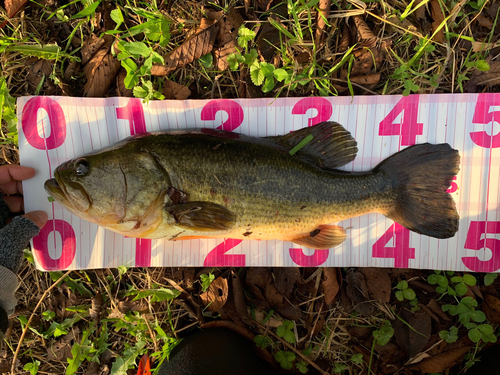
323	237
332	146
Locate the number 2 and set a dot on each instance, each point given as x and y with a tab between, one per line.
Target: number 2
217	257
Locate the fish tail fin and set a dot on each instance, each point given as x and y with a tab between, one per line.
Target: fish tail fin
421	175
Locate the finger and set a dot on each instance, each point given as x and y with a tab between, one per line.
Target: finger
16	204
10	187
38	217
11	172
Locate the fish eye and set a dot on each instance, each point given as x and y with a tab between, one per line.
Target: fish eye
81	167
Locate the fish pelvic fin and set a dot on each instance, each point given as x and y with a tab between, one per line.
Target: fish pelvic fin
201	216
323	237
421	175
332	146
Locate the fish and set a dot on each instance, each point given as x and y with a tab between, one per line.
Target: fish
206	183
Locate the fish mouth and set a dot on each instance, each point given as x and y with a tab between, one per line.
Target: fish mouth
69	194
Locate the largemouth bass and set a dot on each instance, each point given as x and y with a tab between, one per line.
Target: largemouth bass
210	183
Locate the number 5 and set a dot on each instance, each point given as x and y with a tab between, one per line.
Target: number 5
483	116
478	229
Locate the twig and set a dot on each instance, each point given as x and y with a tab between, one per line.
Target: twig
321	371
12	368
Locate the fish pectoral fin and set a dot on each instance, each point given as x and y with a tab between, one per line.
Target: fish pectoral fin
323	237
201	216
332	146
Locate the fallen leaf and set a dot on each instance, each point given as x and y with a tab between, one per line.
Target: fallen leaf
330	284
228	34
140	305
90	47
441	362
101	70
303	58
60	349
357	291
323	12
491	308
345	39
239	299
229	312
96	309
264	4
92	369
285	279
420	11
14	6
438	18
366	80
273	296
199	44
268	40
320	309
484	21
411	341
260	316
290	310
216	295
71	69
378	283
41	70
173	90
257	279
120	84
365	34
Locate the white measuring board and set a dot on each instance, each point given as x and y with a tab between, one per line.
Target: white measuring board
55	129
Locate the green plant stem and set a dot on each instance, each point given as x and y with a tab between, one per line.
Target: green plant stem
371	357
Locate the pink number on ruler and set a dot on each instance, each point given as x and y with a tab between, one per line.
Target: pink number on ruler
40	245
401	252
408	127
56	119
134	113
217	257
478	229
323	106
454	187
314	260
483	116
234	111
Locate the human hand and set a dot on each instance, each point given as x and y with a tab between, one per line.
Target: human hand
11	177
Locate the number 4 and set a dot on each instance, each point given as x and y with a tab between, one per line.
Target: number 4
408	127
401	252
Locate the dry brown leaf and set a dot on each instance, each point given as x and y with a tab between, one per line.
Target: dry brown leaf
120	84
365	34
60	349
216	295
491	308
272	321
378	283
366	80
71	69
273	296
330	284
96	309
173	90
92	369
228	34
438	18
90	47
140	305
268	40
345	39
484	22
201	43
436	309
411	341
41	70
264	4
441	362
101	70
285	279
420	11
303	58
14	6
323	12
357	291
239	299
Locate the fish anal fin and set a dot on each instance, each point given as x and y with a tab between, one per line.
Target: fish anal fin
332	145
323	237
201	216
